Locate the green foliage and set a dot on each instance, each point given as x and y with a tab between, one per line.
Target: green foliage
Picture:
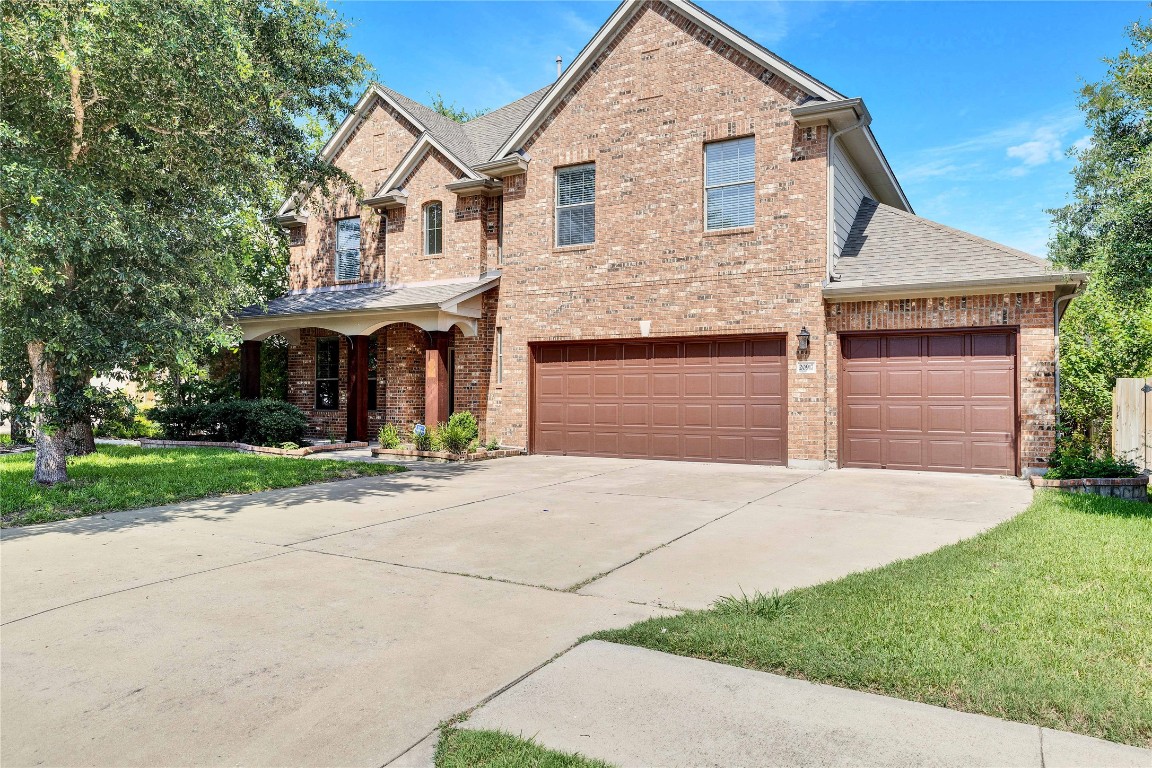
1076	457
492	445
289	446
423	442
466	422
143	146
256	422
389	437
1043	619
454	436
123	477
1108	226
453	112
1102	338
1107	231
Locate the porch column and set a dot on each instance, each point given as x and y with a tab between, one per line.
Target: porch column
358	387
436	379
250	370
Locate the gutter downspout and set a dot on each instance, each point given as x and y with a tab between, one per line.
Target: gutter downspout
1056	317
830	265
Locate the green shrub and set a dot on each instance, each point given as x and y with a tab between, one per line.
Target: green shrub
455	435
256	422
466	422
423	442
1075	458
492	445
289	446
389	437
113	412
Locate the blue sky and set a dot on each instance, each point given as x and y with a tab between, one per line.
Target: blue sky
974	103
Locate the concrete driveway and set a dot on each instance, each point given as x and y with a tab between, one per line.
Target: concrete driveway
337	624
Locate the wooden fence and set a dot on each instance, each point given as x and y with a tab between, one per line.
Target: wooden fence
1132	421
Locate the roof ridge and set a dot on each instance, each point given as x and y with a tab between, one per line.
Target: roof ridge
1024	255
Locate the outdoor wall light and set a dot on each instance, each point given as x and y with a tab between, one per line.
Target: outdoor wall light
804	338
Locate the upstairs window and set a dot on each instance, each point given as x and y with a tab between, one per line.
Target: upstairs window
348	249
576	205
730	184
328	373
433	229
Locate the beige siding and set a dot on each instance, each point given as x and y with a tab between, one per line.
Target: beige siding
850	189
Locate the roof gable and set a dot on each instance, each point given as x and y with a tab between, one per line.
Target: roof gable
719	35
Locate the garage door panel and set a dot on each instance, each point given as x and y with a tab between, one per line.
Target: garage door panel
702	399
933	401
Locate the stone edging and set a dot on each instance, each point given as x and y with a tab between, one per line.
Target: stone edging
245	448
444	456
1134	488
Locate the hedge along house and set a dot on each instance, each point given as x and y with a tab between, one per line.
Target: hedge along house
684	248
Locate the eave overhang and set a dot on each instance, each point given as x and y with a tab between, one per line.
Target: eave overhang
397	198
505	166
469	187
835	292
292	219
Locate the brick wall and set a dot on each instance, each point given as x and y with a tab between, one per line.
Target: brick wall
643	115
1031	313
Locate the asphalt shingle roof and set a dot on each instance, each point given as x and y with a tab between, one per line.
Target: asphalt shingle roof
361	298
890	247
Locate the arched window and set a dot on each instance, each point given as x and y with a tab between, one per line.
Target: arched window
433	229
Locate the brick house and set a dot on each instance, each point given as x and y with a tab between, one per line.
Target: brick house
684	248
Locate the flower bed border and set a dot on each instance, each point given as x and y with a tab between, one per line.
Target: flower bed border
446	457
245	448
1133	488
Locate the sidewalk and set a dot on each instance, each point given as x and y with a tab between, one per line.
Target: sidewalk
636	707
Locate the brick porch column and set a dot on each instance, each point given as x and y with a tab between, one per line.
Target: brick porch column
250	370
358	387
436	379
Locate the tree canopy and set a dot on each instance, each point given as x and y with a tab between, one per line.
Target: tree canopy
1107	230
143	147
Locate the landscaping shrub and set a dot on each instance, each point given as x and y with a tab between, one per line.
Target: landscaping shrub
492	445
466	422
1075	458
256	422
423	442
389	437
455	435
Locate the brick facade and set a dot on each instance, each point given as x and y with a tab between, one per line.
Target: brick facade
642	113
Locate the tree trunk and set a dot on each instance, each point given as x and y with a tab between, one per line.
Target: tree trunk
81	441
51	443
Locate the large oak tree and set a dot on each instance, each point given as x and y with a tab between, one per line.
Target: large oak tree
143	146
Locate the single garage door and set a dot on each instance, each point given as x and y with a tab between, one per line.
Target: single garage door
929	401
693	400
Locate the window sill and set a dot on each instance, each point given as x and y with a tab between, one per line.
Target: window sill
732	231
430	257
573	248
349	282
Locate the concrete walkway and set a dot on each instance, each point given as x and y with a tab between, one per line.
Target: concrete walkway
636	707
338	623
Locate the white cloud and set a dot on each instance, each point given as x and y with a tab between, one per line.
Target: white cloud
1045	146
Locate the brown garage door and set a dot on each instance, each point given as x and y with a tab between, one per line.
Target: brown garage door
932	401
692	400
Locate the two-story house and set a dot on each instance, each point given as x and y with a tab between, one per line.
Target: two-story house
684	248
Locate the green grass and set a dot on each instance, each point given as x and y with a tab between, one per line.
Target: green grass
120	477
492	749
1046	619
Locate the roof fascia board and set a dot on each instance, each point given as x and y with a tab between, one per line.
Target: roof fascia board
447	304
622	14
413	156
837	292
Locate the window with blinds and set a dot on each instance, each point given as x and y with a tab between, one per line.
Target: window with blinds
328	373
348	249
730	184
433	229
576	205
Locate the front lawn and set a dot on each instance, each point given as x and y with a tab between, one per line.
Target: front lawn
1045	619
121	477
459	748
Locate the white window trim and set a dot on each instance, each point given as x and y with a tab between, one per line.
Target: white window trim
342	253
557	207
427	209
499	355
751	182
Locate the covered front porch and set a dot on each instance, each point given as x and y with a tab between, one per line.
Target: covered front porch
364	356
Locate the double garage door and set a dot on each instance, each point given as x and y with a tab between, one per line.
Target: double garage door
693	400
942	402
922	401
